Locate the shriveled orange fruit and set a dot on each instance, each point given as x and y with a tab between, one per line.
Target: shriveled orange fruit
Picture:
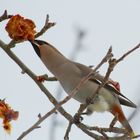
20	28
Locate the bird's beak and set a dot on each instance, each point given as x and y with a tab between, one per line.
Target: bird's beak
36	45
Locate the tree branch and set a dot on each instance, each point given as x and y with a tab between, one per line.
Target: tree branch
36	125
5	16
66	137
128	52
45	27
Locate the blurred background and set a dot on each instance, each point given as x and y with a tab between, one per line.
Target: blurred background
84	32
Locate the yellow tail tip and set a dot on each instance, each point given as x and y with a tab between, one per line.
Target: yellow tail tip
132	135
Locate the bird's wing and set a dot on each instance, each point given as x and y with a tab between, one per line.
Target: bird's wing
85	70
123	100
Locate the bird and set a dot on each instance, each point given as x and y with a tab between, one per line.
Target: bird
70	73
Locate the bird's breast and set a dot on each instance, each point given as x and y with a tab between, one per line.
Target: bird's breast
100	104
69	77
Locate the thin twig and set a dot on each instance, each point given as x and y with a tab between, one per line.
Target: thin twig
5	16
66	137
128	52
51	79
45	77
45	27
113	122
11	44
36	125
87	130
111	129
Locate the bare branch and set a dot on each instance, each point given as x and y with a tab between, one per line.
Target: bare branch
88	130
45	27
66	137
45	77
128	52
51	79
113	122
5	16
11	44
36	125
111	129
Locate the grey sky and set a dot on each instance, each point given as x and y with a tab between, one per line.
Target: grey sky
106	23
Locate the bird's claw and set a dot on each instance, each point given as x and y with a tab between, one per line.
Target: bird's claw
77	118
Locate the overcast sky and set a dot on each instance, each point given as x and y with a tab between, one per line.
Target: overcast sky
106	23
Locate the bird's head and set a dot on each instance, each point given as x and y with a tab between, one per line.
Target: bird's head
37	44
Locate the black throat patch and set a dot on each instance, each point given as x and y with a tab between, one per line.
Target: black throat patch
36	48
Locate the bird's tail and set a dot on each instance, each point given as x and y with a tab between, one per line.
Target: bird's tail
122	119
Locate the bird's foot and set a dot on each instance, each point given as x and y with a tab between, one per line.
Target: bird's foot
84	113
77	118
87	112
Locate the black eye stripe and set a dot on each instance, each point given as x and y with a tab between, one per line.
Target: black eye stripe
35	46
